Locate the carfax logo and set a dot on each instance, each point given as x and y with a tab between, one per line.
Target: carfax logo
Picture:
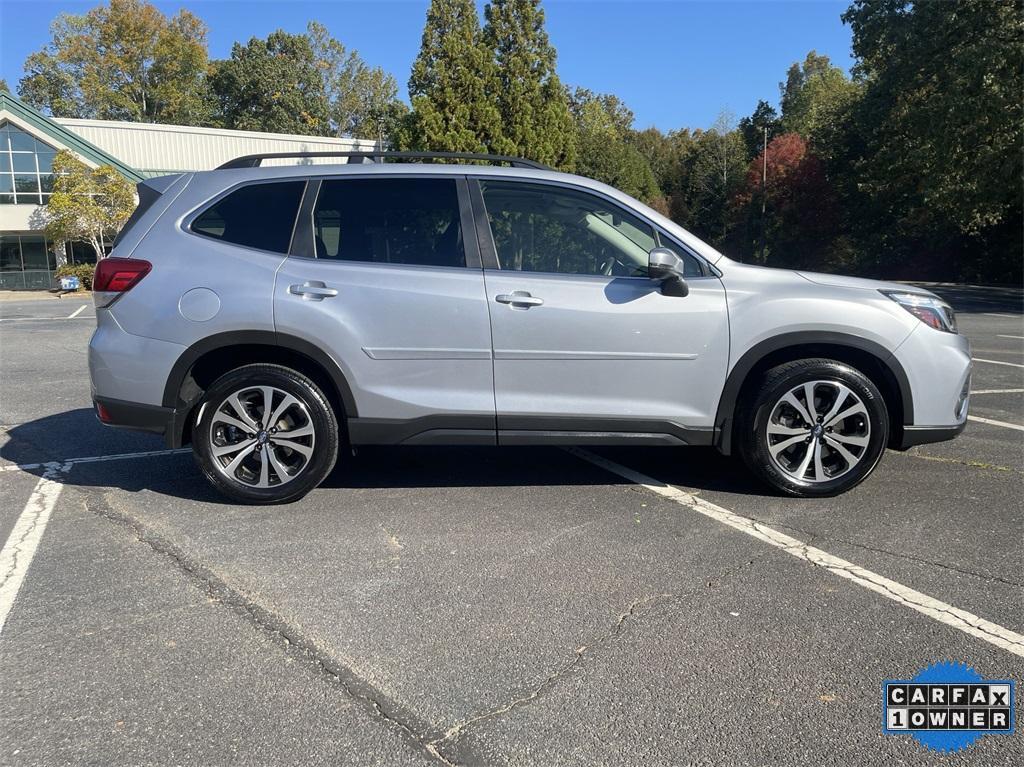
947	706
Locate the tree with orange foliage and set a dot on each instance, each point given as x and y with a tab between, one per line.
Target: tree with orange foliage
801	215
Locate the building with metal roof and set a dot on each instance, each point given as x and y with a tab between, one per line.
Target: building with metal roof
29	140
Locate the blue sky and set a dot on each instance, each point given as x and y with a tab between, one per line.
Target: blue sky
676	64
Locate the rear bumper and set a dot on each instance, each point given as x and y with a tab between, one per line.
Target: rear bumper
137	417
923	435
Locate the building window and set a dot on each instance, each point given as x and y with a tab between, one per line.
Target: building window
25	262
26	167
10	253
83	253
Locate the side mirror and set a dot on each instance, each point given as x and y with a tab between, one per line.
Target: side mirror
666	267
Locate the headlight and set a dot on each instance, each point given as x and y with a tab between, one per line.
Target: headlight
933	312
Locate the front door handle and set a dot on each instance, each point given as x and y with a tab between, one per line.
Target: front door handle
313	290
519	298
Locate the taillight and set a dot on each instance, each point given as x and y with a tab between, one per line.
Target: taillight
102	413
115	276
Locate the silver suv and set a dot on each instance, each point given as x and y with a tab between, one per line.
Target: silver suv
270	315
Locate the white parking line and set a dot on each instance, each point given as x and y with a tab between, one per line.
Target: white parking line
999	362
77	311
962	620
69	462
21	545
997	391
43	319
1000	335
1004	316
989	421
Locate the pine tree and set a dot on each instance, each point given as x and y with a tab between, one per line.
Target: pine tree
534	106
452	87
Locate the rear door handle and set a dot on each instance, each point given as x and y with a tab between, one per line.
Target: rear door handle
314	290
519	298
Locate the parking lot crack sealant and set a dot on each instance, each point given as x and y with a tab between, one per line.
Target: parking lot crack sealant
580	655
277	628
964	621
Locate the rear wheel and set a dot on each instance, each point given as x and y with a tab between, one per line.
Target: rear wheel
815	427
265	434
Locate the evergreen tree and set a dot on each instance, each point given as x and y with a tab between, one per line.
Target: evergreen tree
453	84
753	127
670	157
533	104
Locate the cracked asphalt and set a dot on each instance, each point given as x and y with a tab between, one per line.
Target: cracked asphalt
476	606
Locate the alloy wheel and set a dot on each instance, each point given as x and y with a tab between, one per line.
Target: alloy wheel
261	436
818	431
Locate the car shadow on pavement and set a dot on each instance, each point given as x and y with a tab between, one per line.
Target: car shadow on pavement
77	434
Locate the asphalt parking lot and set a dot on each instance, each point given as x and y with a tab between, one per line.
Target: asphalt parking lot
491	606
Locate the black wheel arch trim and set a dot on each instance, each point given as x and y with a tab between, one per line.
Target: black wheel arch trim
176	378
725	415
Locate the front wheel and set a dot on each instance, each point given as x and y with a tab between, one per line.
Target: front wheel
814	427
265	434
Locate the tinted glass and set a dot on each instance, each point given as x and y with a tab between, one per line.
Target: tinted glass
389	221
257	216
24	163
10	253
545	228
82	253
26	157
33	252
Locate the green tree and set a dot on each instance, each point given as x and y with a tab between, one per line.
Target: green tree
603	125
89	204
814	95
940	127
453	84
669	156
122	61
274	85
362	101
531	100
715	173
753	127
3	86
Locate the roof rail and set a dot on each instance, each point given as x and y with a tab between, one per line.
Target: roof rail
254	160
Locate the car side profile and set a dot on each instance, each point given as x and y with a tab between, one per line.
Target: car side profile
270	316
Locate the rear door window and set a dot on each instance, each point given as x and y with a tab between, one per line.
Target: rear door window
389	221
256	215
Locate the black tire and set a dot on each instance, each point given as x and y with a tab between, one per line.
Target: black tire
825	377
312	409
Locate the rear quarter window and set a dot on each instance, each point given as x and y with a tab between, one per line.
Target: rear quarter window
256	215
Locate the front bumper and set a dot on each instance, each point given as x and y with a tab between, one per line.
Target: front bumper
938	369
923	435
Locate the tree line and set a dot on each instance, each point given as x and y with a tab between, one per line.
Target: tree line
909	167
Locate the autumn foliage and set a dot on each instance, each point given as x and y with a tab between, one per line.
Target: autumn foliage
800	202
